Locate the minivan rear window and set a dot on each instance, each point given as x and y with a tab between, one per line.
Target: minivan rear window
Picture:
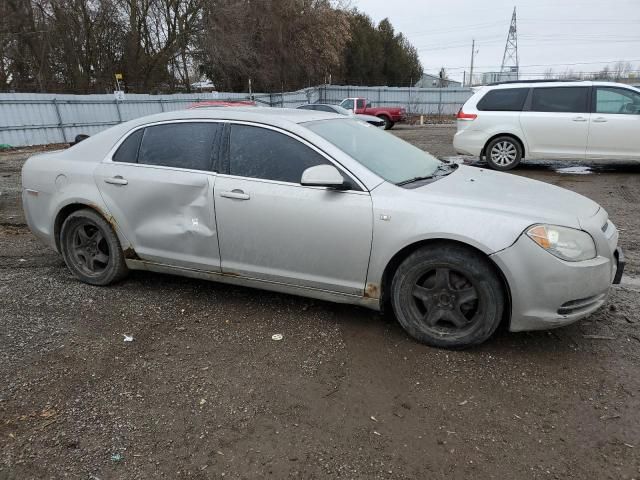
503	100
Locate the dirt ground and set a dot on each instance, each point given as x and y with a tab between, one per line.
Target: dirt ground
203	391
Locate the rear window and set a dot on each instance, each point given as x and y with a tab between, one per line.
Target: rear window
560	99
503	100
181	145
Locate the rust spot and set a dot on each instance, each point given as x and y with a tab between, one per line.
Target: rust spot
131	254
231	274
372	290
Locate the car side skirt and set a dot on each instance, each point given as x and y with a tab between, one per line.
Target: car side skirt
236	279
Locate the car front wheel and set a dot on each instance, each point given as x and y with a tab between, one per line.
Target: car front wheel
503	153
91	249
447	296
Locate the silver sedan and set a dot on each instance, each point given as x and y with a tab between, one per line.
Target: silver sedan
328	207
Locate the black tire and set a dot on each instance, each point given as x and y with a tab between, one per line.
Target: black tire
447	296
503	153
388	124
91	249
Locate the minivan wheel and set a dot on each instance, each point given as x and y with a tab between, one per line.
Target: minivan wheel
503	153
91	249
447	296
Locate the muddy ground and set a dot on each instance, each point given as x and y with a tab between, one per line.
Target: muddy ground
204	392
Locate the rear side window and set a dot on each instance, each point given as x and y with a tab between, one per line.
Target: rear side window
307	107
180	145
324	108
128	150
503	100
257	152
560	99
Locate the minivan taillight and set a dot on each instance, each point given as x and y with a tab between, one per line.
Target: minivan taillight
466	116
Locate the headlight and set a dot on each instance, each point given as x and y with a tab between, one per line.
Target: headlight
565	243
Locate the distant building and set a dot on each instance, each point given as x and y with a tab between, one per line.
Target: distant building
203	86
496	77
434	81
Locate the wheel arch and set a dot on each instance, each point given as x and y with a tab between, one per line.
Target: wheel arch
66	210
401	255
511	135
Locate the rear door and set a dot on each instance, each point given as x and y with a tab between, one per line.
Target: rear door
614	130
158	186
555	122
274	229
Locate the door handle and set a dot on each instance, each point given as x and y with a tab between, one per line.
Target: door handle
579	119
599	120
117	180
236	194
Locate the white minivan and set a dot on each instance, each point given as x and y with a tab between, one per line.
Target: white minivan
573	120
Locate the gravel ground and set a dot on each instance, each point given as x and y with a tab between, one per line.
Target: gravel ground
203	391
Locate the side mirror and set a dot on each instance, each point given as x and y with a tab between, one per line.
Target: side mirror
324	176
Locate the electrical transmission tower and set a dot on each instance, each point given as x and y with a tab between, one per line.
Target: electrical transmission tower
510	64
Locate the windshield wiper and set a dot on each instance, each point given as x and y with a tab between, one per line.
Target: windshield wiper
443	168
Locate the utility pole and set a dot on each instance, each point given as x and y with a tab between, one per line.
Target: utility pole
473	52
510	61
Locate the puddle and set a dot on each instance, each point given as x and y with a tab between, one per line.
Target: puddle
575	170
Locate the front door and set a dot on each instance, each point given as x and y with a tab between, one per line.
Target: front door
555	122
159	188
274	229
614	131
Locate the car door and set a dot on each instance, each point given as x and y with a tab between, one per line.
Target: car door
615	124
158	186
274	229
555	122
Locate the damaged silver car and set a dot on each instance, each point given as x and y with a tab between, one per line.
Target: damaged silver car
319	205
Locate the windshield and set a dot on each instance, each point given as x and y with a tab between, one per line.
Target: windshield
341	111
383	153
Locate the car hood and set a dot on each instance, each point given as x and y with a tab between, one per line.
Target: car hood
511	195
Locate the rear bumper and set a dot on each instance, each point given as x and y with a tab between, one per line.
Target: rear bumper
547	292
468	142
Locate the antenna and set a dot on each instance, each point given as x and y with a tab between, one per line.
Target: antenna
510	62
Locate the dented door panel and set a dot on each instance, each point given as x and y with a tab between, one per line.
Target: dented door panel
166	213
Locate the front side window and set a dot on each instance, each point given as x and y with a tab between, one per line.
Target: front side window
617	100
181	145
348	104
257	152
504	100
560	99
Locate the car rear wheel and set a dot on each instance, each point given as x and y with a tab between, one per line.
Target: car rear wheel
388	124
503	153
447	296
91	249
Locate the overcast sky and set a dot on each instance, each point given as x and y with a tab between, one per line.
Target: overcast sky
551	33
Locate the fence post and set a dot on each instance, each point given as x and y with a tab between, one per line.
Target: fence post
60	124
117	102
162	104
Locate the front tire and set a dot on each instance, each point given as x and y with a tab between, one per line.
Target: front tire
388	124
447	296
91	249
503	153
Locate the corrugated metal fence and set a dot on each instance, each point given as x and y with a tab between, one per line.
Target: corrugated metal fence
35	119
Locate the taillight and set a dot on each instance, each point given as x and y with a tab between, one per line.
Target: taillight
466	116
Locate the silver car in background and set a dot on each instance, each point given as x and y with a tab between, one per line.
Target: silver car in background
325	107
328	207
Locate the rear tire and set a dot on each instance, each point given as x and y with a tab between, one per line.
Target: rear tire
503	153
91	249
447	296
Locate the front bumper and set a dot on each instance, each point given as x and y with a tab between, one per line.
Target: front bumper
547	292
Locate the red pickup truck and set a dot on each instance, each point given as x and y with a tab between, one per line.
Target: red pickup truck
390	115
